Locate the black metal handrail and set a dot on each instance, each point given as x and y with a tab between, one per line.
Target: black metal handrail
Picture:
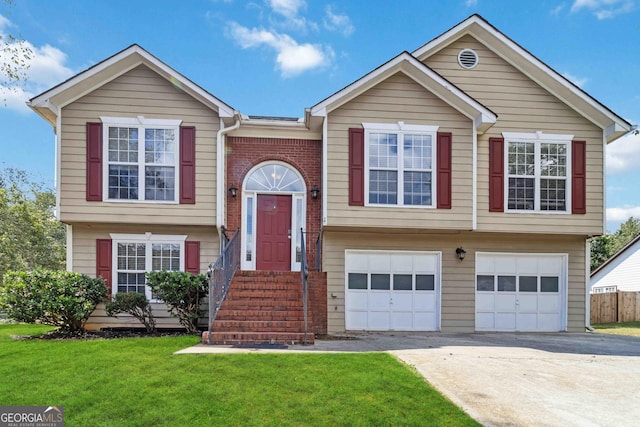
220	275
319	252
304	272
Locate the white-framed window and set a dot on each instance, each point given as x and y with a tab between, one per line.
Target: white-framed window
400	164
141	159
538	171
135	254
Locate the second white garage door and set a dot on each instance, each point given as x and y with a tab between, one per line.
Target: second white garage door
392	291
521	292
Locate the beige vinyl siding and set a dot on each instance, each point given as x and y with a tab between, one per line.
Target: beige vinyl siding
84	261
139	92
458	277
523	106
398	98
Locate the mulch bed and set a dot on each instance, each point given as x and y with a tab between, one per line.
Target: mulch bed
102	334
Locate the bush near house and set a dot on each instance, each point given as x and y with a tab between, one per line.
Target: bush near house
58	298
135	304
181	292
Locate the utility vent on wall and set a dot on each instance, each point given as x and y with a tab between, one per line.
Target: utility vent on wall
467	58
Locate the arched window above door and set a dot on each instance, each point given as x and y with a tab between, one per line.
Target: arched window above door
275	177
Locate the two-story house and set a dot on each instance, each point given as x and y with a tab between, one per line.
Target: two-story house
452	188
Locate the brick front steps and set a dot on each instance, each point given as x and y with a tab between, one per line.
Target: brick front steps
262	307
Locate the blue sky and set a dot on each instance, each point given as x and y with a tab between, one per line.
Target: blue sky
277	57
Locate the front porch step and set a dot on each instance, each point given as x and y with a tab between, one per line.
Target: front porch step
262	308
233	338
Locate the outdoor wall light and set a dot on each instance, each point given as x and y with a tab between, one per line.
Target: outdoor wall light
460	253
315	192
234	191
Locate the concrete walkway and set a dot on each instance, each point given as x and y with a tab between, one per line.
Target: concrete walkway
512	379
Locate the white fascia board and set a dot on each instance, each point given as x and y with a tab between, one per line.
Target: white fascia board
486	116
465	27
537	136
224	110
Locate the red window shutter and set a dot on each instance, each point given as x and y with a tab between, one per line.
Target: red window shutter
192	257
356	167
103	260
443	155
496	174
94	162
579	177
187	165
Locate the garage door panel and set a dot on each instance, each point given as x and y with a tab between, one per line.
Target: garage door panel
424	301
551	266
549	303
426	263
402	301
549	322
358	300
527	265
505	321
505	302
357	320
528	303
379	321
379	301
381	262
402	321
485	321
505	265
527	322
401	264
485	302
425	321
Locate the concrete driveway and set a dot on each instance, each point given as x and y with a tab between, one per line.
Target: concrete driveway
555	379
525	379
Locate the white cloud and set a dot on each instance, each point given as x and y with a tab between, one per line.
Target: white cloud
337	22
623	154
622	214
578	81
604	9
556	10
46	69
471	3
292	58
287	8
290	11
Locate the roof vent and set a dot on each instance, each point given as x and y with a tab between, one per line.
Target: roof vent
467	58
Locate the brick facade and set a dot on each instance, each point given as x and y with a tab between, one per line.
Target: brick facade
304	155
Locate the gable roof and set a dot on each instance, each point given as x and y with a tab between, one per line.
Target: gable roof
482	116
613	125
613	257
48	103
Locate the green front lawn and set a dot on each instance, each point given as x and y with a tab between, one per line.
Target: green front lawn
139	382
626	328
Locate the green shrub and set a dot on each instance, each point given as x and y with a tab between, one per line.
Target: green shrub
181	292
58	298
135	304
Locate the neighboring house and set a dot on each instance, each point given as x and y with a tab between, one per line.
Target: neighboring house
621	272
469	145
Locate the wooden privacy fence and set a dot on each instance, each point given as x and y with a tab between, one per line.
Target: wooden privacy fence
615	307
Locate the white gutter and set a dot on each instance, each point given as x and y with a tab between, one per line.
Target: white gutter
587	281
220	171
58	161
474	178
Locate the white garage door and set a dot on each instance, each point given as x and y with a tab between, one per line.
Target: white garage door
521	292
392	291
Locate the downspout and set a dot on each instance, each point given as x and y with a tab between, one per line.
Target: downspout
220	174
587	281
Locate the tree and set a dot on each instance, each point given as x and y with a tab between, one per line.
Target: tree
15	55
604	247
30	236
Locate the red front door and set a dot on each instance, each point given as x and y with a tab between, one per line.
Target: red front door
273	243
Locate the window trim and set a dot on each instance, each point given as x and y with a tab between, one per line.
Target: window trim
401	128
141	123
537	139
148	239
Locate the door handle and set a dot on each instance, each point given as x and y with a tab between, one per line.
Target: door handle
289	236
